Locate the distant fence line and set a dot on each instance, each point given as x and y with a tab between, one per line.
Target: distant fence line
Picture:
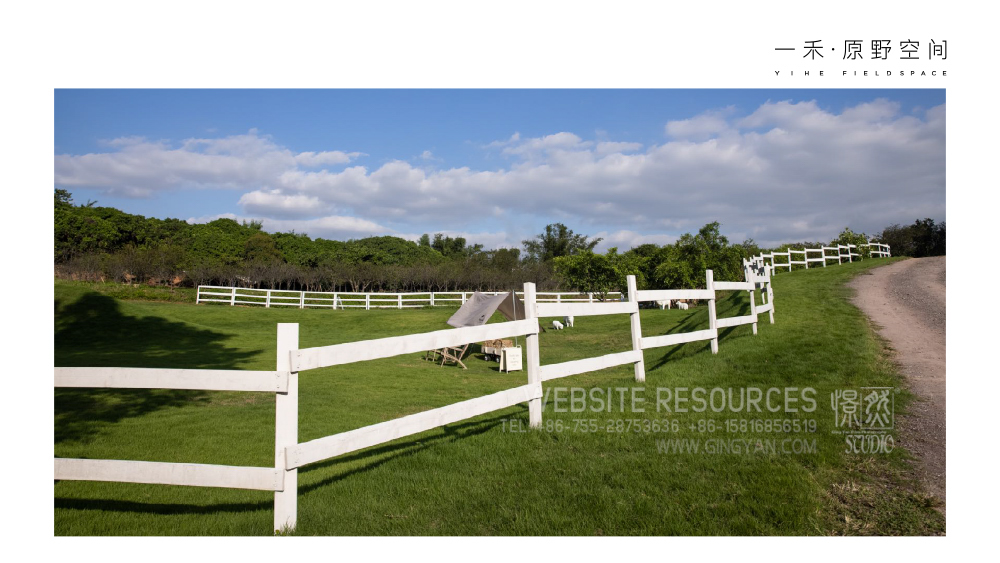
367	301
407	300
290	454
841	253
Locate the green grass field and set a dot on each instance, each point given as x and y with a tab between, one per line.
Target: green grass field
479	476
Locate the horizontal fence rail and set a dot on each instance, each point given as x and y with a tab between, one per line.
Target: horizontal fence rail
353	440
736	321
555	371
154	378
679	338
674	294
585	309
734	286
157	473
338	354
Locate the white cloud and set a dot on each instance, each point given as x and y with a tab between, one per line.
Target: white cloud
142	167
879	110
276	204
626	239
610	147
124	141
504	143
562	141
326	157
330	227
699	127
787	171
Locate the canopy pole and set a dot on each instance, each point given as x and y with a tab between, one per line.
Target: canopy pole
517	339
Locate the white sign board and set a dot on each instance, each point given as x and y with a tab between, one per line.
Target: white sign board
510	360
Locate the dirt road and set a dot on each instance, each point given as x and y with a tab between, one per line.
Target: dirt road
906	301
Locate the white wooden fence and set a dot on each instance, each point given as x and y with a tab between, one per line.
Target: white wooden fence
878	250
841	253
362	300
290	454
367	301
280	382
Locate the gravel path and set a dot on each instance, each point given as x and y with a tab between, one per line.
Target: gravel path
906	301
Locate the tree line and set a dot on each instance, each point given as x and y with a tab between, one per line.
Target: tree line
105	244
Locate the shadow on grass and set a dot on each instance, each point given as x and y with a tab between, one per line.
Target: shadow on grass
92	331
690	324
159	508
452	432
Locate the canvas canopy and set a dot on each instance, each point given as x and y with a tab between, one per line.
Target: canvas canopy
478	309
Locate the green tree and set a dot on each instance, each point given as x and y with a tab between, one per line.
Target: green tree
683	264
557	240
64	199
923	238
847	236
454	247
588	272
928	238
260	248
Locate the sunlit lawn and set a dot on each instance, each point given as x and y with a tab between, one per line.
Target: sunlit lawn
477	476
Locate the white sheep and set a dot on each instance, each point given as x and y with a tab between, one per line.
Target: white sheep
568	321
665	304
557	325
682	306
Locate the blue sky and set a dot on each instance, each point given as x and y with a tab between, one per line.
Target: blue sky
496	166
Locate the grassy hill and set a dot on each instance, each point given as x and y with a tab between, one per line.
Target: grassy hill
585	473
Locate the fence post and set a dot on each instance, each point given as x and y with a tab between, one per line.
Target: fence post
633	297
335	302
197	296
399	297
267	299
232	300
286	429
368	302
710	285
531	353
770	300
753	309
432	299
302	300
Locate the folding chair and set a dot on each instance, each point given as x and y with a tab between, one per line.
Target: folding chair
452	355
